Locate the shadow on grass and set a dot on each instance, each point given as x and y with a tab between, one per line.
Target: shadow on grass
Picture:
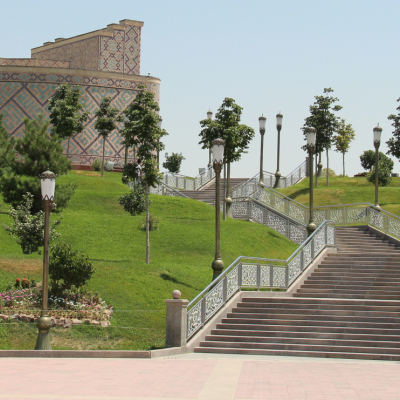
167	277
111	261
299	193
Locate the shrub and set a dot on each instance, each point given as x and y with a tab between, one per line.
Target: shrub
96	165
28	229
332	173
153	223
134	201
173	162
68	268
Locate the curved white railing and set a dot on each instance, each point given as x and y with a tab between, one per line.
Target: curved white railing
257	273
186	183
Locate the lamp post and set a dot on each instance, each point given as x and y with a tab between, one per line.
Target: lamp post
261	122
277	173
48	183
218	159
311	135
158	151
377	141
209	116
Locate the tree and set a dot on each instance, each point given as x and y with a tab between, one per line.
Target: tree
345	134
134	202
385	165
67	113
37	152
325	122
7	152
28	228
394	142
368	159
173	162
141	129
226	126
106	122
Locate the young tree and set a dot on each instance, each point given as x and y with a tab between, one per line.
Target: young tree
106	122
67	113
345	134
141	129
368	159
394	142
385	166
7	152
325	122
173	162
226	126
37	152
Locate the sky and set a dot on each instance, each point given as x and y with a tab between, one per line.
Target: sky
269	55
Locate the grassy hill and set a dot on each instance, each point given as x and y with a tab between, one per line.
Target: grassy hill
346	191
182	251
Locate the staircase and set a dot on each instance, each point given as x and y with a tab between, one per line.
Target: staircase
349	307
207	193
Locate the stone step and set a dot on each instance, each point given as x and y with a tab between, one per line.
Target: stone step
312	301
348	296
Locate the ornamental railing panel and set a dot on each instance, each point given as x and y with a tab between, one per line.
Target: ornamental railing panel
183	182
163	189
256	273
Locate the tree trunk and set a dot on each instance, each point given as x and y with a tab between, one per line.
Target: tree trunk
228	201
66	172
343	166
224	197
327	168
316	169
147	226
126	155
102	163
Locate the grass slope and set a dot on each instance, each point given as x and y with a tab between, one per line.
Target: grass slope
346	191
181	254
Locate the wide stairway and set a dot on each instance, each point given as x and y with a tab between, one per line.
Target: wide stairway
207	193
349	307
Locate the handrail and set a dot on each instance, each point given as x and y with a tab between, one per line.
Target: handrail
256	273
186	183
164	188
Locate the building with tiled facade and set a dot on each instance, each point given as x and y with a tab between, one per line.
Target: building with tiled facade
105	62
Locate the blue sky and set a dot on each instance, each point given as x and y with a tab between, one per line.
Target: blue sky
270	56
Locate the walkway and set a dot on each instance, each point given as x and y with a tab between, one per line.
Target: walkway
198	376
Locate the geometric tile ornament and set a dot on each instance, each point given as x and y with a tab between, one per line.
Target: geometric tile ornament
27	84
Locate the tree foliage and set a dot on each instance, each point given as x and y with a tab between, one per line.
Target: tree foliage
141	130
368	159
37	152
323	119
134	201
68	268
394	142
27	228
173	162
67	113
106	121
344	136
7	151
385	168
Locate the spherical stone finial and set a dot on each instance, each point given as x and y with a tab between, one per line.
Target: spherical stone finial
176	294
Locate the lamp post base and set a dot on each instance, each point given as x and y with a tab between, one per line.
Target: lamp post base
217	266
377	206
311	227
228	202
277	183
43	340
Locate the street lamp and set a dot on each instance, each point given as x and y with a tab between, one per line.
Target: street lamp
158	151
261	122
218	159
48	184
209	116
377	141
311	135
277	173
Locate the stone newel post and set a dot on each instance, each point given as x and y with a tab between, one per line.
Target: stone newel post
176	326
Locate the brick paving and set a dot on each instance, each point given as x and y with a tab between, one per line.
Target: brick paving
198	376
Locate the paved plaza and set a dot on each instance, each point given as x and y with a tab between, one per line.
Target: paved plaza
198	376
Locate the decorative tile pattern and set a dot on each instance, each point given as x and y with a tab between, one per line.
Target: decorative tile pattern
132	50
82	54
31	62
25	95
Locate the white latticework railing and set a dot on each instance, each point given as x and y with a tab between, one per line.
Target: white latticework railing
163	189
256	273
249	187
186	183
254	210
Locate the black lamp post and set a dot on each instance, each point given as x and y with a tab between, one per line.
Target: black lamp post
218	159
48	183
377	141
278	173
311	136
261	122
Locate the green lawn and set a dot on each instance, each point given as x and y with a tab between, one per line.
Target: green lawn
182	251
